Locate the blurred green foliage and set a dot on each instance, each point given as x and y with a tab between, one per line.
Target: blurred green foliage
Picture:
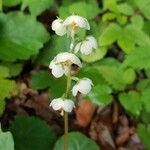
122	29
6	140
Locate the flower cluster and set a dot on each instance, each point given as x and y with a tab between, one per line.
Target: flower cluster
62	63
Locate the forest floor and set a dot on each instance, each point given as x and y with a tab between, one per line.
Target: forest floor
109	126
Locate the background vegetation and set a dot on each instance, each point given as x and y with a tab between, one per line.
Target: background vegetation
119	68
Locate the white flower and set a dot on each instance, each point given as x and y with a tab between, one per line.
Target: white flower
62	104
57	69
61	62
58	27
75	22
83	86
86	46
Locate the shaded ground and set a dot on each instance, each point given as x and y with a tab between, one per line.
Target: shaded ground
109	126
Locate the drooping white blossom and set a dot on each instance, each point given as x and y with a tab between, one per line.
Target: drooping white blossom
87	46
61	62
62	104
74	22
83	86
58	27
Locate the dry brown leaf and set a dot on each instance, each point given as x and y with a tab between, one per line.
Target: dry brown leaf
84	112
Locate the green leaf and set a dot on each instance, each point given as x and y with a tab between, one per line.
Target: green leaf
13	72
122	19
146	28
129	76
112	75
144	88
110	35
131	102
55	46
143	84
138	58
57	86
137	21
77	141
108	16
111	5
145	99
109	61
144	6
4	72
6	141
92	73
130	39
36	7
8	88
125	9
1	5
100	94
126	42
44	79
11	2
145	117
140	37
32	133
144	134
40	80
95	55
84	9
147	73
17	40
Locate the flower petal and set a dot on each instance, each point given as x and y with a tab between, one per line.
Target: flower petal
56	104
57	71
83	86
65	56
58	27
68	105
77	47
77	20
93	41
75	90
87	46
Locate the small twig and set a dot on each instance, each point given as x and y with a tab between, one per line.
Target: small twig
115	112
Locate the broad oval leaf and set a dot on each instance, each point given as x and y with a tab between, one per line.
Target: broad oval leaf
11	2
80	8
44	79
110	35
77	141
95	55
131	102
36	7
144	134
32	133
101	94
139	58
6	141
17	40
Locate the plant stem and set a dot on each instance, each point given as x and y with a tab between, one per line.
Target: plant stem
66	130
66	96
65	113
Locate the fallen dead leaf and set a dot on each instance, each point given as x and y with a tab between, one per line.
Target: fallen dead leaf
84	112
